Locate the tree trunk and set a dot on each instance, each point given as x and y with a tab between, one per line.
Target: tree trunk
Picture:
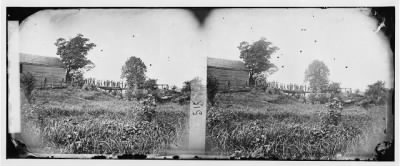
68	76
251	79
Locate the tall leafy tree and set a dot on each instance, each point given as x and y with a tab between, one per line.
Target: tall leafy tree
73	54
256	56
134	71
317	75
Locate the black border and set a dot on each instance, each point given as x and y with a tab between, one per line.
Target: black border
200	13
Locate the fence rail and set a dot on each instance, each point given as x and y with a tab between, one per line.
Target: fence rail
295	88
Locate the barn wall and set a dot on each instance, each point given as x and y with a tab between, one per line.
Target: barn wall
237	78
52	74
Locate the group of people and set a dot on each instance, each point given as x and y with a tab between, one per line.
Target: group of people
106	83
292	87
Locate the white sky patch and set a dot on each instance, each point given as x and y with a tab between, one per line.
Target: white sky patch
171	40
338	37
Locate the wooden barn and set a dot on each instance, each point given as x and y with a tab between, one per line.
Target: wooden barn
46	70
230	74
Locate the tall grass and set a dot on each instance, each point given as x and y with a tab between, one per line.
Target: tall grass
293	132
251	124
73	124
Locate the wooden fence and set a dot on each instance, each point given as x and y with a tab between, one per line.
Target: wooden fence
302	89
106	84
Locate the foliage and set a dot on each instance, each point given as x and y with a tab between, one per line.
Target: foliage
73	53
217	116
89	87
157	94
148	109
283	133
334	87
102	125
77	77
129	94
186	87
139	94
134	71
377	92
318	98
283	99
27	81
317	75
212	88
240	124
150	84
256	56
334	112
260	79
174	88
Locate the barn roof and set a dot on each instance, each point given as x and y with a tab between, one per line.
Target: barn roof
225	63
40	60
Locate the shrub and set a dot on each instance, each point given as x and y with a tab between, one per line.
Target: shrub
139	94
77	77
174	88
88	87
150	84
377	93
212	88
157	94
129	94
148	110
114	93
334	112
320	98
27	84
186	87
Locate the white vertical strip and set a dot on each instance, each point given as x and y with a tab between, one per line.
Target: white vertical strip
198	104
14	104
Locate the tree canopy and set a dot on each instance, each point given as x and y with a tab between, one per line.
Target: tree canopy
317	75
73	54
150	84
134	71
256	56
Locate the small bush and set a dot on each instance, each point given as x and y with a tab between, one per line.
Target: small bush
318	98
377	93
27	84
150	84
114	93
174	88
139	94
77	77
88	87
334	112
148	110
186	87
129	94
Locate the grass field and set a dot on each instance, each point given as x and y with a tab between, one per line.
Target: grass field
248	124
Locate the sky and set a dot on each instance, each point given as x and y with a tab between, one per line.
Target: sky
173	45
